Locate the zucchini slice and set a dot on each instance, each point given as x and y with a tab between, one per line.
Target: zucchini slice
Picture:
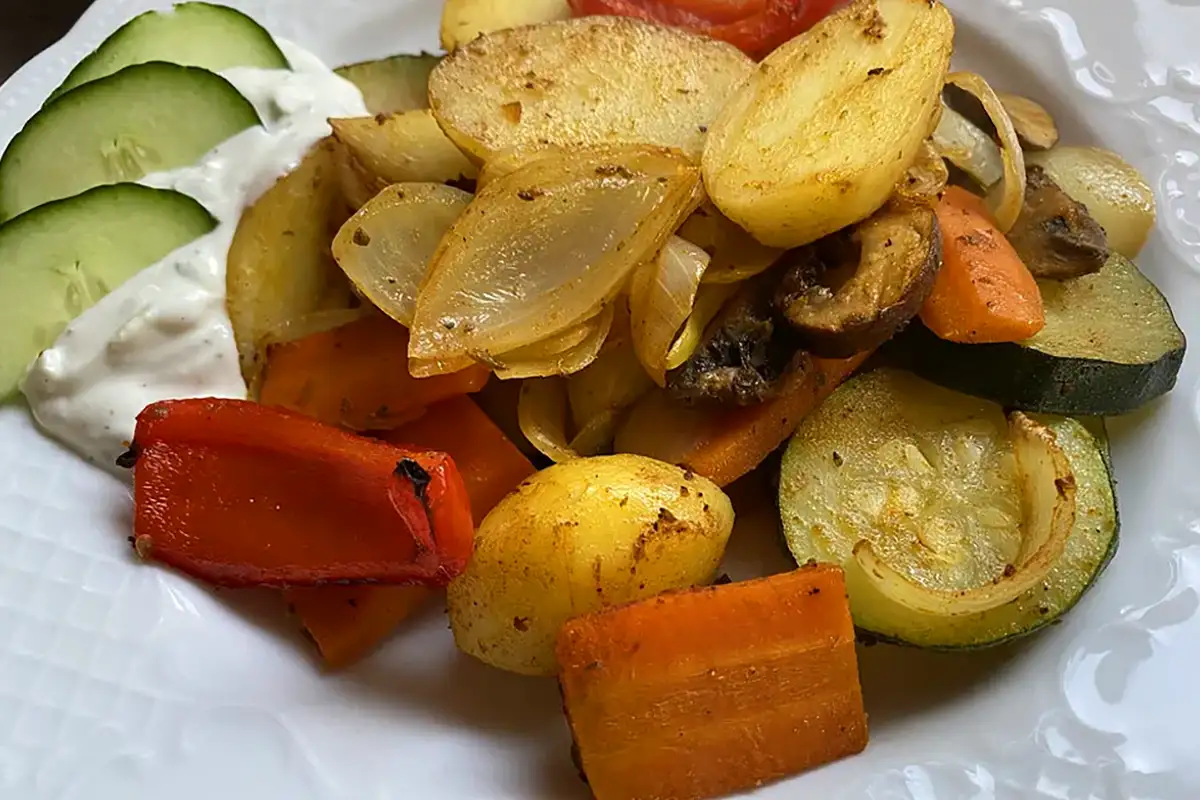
1110	346
392	85
930	479
146	118
58	260
191	34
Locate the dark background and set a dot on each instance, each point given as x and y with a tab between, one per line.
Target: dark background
29	26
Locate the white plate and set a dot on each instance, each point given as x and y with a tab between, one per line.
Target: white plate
123	682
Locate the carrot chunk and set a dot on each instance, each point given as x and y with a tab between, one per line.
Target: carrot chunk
737	441
490	464
347	623
984	292
356	376
702	693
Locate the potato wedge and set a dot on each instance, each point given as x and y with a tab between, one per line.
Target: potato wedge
821	134
591	80
464	20
396	148
578	537
280	266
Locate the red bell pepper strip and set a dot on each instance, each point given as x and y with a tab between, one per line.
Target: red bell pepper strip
347	622
754	26
238	494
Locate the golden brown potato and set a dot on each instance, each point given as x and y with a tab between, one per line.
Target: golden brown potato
463	20
819	136
280	266
591	80
577	537
397	148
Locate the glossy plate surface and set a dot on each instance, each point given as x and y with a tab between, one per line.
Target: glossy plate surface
124	682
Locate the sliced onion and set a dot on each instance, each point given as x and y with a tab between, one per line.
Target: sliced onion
596	436
542	414
529	363
613	383
661	296
547	246
736	255
969	148
1008	202
554	345
621	333
385	248
1115	193
1048	493
709	300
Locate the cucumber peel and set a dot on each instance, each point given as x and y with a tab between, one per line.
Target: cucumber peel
146	118
191	34
59	259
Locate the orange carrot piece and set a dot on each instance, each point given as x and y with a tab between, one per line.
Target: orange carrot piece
739	440
724	445
348	623
356	376
703	693
984	292
491	466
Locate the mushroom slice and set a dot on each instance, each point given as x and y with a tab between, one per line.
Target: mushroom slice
851	292
1055	235
745	352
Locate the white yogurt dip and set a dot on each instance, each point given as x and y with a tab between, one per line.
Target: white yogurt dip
164	334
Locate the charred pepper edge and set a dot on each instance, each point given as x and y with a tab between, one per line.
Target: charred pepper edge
128	459
418	476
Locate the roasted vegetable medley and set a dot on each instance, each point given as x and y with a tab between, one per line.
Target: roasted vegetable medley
512	333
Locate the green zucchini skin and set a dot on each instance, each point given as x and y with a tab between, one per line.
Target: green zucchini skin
1023	378
1095	425
863	418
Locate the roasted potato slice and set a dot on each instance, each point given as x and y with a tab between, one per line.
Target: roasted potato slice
852	291
280	265
585	81
820	135
463	20
395	148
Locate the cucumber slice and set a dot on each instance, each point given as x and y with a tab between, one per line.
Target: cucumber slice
1110	346
145	118
392	85
59	259
192	35
928	477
